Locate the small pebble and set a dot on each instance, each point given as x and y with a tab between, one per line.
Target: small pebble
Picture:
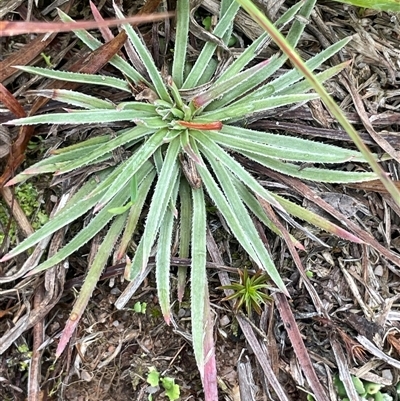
224	321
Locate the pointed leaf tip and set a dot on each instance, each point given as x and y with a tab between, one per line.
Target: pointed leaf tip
6	257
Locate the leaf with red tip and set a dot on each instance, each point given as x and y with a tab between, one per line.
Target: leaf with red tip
91	280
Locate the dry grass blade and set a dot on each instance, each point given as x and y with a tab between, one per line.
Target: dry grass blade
246	381
10	102
385	145
374	350
344	373
299	348
8	28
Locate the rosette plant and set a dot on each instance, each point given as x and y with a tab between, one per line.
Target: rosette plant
187	126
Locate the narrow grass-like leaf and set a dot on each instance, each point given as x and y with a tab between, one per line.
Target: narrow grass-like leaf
304	86
78	77
74	98
208	73
95	141
163	259
160	201
90	282
305	152
117	61
252	203
50	164
198	276
185	227
97	116
181	38
296	30
239	110
223	9
57	167
135	212
264	259
162	194
311	173
96	223
283	82
146	57
209	48
292	38
291	142
316	220
225	208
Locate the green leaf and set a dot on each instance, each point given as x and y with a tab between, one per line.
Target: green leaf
75	208
78	77
146	57
311	173
126	138
212	150
153	378
235	86
256	47
91	280
185	227
88	232
161	196
75	98
381	5
172	390
298	151
163	264
252	203
239	110
198	276
97	116
135	212
181	38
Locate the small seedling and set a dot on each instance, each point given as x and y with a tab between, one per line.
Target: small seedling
249	291
172	390
368	391
140	307
47	60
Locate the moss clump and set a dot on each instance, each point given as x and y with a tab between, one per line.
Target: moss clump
28	198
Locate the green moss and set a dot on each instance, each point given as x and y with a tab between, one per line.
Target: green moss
28	198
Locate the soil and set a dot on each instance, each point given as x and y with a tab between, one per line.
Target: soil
355	284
